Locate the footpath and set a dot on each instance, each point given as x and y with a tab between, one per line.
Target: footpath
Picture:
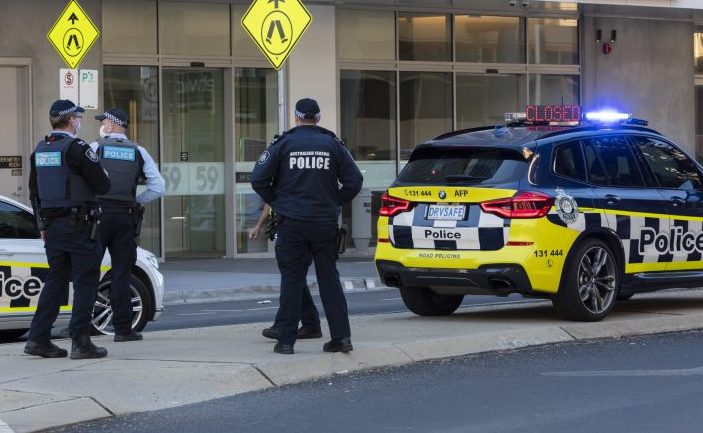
174	368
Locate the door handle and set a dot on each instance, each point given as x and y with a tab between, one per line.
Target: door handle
677	201
612	198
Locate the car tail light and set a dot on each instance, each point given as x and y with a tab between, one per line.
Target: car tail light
524	204
391	206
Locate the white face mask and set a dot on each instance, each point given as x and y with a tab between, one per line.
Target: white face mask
103	133
78	125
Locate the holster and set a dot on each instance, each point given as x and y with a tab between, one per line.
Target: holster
342	239
90	214
272	224
138	217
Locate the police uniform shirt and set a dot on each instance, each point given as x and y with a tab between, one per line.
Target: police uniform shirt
155	183
300	173
80	159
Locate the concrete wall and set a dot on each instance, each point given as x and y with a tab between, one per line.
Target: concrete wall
649	72
312	66
23	29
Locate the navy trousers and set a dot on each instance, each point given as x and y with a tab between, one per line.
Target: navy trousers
117	237
298	243
72	256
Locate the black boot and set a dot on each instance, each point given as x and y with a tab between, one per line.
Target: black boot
83	348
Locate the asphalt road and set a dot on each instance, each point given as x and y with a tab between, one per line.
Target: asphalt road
643	384
181	316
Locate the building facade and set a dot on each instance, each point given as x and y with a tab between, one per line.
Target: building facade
388	74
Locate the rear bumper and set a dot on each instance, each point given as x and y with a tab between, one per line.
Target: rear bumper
494	279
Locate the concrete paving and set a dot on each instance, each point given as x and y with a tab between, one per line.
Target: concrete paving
173	368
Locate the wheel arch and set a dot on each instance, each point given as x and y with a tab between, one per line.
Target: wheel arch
144	279
607	236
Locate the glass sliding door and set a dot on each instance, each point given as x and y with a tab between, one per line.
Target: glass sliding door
135	89
256	123
193	156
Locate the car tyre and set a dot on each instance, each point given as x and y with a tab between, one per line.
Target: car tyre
142	304
589	283
12	334
424	302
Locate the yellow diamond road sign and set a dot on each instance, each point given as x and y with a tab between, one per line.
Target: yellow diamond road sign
276	26
73	34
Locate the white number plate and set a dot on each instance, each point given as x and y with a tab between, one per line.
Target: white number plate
446	212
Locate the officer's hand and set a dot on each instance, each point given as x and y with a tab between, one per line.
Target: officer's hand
254	232
44	235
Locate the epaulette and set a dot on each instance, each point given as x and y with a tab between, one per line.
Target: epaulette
333	135
277	137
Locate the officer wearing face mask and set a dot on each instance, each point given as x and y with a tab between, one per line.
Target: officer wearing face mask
127	163
64	183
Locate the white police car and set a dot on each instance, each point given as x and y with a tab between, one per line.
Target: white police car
23	268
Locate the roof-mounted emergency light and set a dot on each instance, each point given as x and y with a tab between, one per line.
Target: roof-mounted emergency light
607	116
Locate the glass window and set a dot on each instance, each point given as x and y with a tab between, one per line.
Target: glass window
699	123
373	34
244	45
596	173
554	89
369	114
425	108
671	167
484	99
129	27
698	49
552	41
463	166
256	123
256	113
16	223
135	89
424	37
194	162
568	161
200	29
619	162
485	39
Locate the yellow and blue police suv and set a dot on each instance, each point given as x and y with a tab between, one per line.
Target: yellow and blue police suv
24	267
580	209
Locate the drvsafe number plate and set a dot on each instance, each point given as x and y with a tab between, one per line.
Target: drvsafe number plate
446	212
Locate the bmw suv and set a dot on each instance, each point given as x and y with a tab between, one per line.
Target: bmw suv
582	210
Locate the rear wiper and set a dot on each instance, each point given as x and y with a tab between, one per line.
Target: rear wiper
461	177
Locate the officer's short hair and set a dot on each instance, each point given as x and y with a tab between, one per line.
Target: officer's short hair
59	122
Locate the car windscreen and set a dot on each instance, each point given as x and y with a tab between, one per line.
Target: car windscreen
463	166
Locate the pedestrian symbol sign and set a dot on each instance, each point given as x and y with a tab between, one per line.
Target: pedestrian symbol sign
73	34
276	26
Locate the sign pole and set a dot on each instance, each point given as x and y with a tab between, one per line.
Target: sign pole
283	117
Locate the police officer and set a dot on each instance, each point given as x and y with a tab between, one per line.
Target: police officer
126	163
309	316
299	176
64	181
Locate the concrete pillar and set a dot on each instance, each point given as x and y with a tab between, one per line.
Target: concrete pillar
649	72
313	65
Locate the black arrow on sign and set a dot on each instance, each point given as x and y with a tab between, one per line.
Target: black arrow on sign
275	3
73	18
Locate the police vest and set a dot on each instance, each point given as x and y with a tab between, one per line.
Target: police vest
58	186
119	158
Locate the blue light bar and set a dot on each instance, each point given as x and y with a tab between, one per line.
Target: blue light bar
607	116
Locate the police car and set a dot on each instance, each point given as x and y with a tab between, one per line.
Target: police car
582	209
23	268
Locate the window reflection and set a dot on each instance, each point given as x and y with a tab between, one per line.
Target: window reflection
552	41
425	108
484	99
135	89
486	39
256	123
424	37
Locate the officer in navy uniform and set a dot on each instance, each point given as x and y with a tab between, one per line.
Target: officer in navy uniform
64	182
126	163
300	176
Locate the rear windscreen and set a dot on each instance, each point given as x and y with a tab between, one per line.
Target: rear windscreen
463	166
